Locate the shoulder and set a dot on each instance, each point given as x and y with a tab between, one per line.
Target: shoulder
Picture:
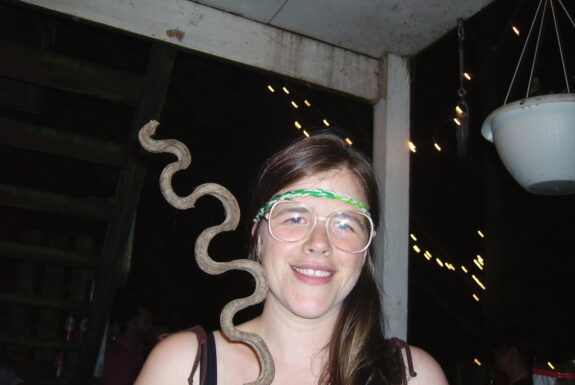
171	360
428	370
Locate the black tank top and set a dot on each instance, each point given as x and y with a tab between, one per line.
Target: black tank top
212	372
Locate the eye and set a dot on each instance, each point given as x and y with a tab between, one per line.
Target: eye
295	219
347	223
291	216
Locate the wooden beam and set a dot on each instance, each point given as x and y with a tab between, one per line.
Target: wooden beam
56	71
391	164
221	34
118	241
42	139
43	254
26	198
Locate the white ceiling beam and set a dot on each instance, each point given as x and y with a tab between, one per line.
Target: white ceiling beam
214	32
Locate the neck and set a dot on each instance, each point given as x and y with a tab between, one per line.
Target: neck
289	336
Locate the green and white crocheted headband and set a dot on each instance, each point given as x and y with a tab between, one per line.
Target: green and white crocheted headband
318	193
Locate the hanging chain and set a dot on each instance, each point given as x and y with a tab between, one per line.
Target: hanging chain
461	37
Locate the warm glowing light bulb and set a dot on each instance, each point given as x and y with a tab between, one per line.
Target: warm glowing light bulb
437	146
348	141
411	146
478	264
294	104
480	233
478	282
458	110
466	76
271	88
551	366
306	133
516	30
416	248
464	269
297	125
475	297
439	262
412	236
307	103
480	259
285	90
457	121
325	122
477	362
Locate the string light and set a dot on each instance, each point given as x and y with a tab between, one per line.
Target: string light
466	76
437	146
480	259
458	110
478	282
295	105
477	362
439	262
480	234
416	248
411	146
516	30
412	236
478	264
464	269
551	366
475	297
457	121
427	254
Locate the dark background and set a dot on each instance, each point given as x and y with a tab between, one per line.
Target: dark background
231	122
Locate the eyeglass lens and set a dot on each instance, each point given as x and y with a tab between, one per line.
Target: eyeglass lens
291	221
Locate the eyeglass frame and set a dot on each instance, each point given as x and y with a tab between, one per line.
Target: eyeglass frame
313	226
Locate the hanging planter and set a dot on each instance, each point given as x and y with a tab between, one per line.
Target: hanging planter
535	136
535	139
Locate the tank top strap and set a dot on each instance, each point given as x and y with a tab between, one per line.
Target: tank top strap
398	344
205	358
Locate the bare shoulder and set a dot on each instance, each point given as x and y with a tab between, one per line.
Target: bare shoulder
171	360
428	370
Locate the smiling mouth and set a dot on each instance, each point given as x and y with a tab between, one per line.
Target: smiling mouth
312	272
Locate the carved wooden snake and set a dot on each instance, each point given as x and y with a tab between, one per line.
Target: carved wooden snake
207	264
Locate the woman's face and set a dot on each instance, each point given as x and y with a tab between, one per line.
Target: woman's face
310	278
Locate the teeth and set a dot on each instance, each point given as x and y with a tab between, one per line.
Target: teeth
312	272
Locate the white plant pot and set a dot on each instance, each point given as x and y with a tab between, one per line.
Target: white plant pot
535	139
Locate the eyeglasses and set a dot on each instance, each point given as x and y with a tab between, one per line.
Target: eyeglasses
292	221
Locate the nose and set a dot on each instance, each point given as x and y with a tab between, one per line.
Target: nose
318	241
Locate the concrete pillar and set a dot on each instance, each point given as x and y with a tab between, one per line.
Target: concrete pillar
391	162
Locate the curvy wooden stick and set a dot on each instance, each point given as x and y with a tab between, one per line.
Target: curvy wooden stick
207	264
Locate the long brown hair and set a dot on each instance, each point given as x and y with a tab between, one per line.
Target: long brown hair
357	351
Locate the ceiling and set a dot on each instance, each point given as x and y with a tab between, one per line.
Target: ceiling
370	27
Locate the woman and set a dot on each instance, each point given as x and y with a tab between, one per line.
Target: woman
315	213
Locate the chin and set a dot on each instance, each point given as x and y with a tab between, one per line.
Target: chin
312	309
